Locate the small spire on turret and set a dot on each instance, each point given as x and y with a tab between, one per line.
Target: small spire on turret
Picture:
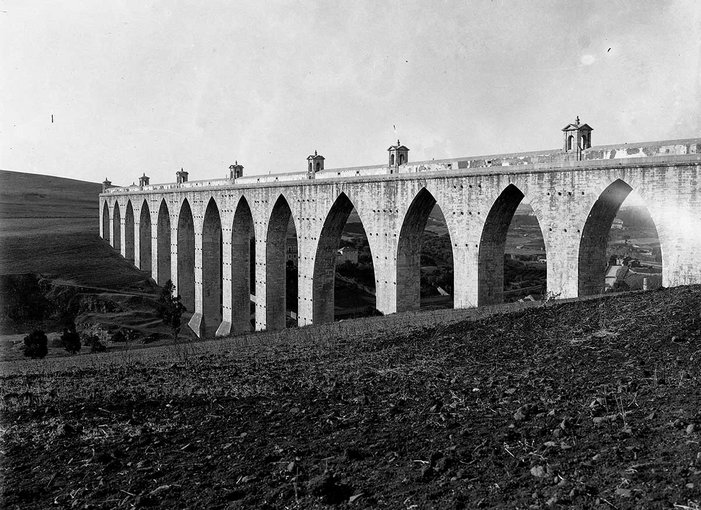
235	170
398	155
315	163
181	176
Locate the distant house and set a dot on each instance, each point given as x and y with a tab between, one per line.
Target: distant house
617	224
613	274
632	279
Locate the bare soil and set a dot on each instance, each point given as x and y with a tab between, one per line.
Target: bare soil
591	404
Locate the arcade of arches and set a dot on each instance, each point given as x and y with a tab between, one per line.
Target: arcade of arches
219	270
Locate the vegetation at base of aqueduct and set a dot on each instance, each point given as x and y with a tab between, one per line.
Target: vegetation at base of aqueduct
583	404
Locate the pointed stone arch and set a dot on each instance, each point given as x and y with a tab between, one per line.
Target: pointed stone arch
592	259
325	259
409	251
186	256
163	244
242	256
490	279
129	232
211	269
145	236
106	222
116	228
276	263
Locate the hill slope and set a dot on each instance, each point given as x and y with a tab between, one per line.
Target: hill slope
592	404
24	195
49	225
50	243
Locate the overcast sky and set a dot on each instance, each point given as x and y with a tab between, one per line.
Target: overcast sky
139	86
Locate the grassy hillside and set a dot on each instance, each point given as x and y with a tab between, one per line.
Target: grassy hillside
49	225
25	195
49	229
588	405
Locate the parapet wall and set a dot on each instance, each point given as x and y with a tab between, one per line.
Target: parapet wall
548	158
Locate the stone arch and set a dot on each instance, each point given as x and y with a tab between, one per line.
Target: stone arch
211	269
129	232
186	256
105	222
163	244
490	278
145	238
116	228
409	251
592	259
325	259
276	264
242	254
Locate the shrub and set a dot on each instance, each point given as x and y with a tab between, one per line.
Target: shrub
171	309
119	336
88	339
97	346
93	341
36	344
125	335
71	341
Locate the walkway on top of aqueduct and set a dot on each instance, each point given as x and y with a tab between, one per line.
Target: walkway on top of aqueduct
198	233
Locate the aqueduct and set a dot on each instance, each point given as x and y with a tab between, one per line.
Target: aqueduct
203	235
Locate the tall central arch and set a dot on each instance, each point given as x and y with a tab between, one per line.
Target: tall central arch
409	251
106	222
211	269
593	243
186	256
163	244
492	246
145	238
116	228
325	259
129	233
276	264
242	238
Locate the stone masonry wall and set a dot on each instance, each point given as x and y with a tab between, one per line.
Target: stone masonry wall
562	197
